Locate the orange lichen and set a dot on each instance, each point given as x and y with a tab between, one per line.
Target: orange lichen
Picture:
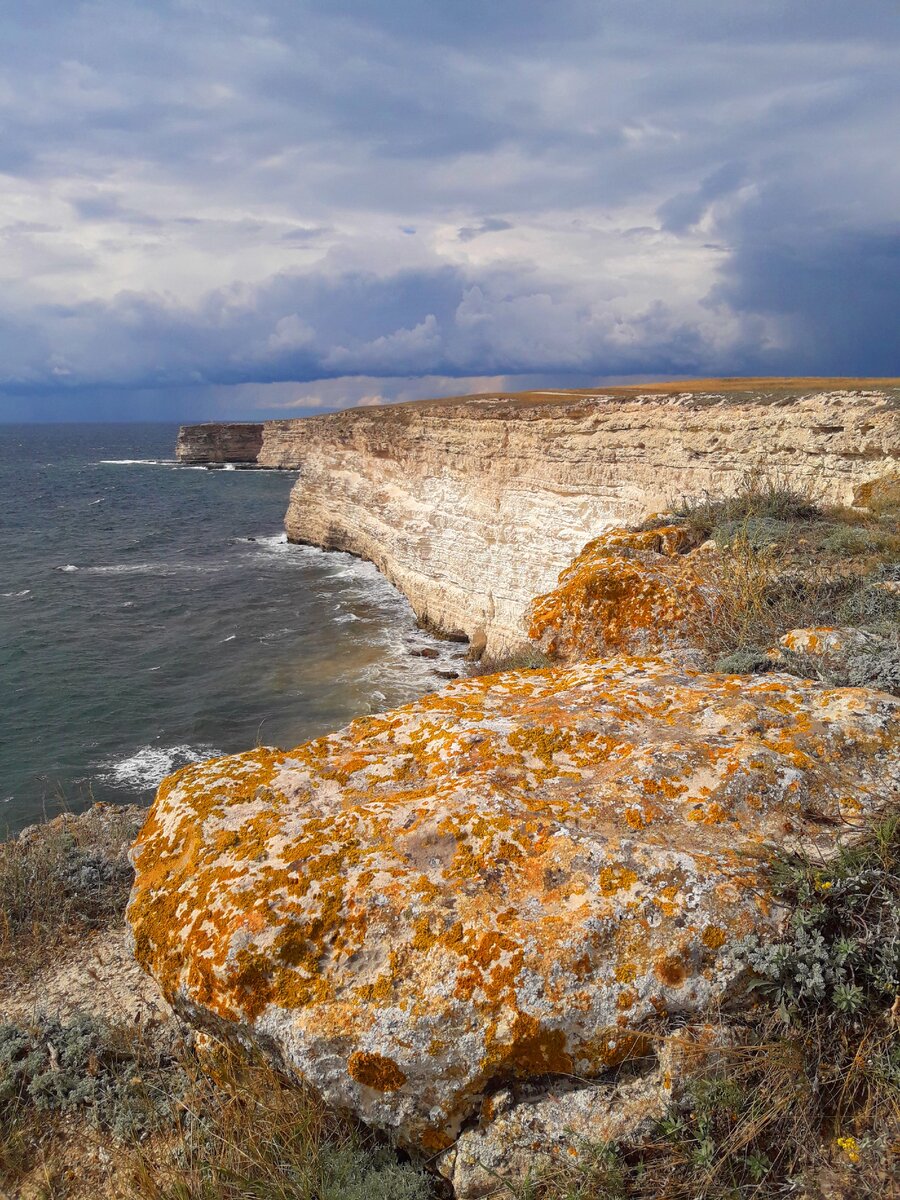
504	879
375	1071
631	591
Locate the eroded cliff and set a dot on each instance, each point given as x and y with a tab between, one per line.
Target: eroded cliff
471	509
220	442
473	506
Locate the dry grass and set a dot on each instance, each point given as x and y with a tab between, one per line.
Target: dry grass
785	562
61	881
245	1131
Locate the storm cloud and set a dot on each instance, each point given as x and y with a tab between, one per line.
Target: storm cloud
199	196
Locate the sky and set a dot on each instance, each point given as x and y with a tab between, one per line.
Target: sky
225	208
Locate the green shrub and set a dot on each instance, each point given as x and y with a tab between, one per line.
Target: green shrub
760	495
876	666
53	890
850	539
840	952
758	532
748	660
82	1065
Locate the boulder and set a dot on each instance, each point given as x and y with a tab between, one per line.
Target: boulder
631	591
515	878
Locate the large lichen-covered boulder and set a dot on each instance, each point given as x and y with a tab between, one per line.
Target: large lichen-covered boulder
631	591
505	880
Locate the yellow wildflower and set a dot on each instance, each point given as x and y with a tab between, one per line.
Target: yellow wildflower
850	1147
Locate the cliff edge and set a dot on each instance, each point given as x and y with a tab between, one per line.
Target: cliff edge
472	506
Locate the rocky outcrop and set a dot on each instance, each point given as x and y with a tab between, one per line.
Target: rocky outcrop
519	877
230	442
640	592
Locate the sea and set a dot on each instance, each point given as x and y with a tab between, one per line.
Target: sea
154	614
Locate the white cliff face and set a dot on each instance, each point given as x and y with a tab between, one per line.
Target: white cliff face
473	508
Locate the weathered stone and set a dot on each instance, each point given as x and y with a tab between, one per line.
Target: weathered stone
632	591
220	442
827	645
501	881
526	1130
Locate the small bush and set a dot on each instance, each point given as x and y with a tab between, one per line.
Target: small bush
757	532
52	890
760	495
850	539
116	1081
749	660
872	607
249	1132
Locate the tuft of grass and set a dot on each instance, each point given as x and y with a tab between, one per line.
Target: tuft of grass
178	1126
527	659
761	496
53	889
246	1131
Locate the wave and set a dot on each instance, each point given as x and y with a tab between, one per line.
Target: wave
69	567
16	595
148	766
138	462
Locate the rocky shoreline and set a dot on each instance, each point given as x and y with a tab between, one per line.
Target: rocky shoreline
527	926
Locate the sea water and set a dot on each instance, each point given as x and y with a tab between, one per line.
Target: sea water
153	614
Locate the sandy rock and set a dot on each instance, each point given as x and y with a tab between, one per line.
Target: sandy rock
501	881
99	977
637	592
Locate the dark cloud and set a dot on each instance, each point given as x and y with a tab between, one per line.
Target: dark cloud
686	188
489	225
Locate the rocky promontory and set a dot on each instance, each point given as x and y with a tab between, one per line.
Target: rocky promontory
219	442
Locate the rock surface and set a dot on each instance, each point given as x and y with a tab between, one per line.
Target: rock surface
635	592
220	442
506	880
528	1129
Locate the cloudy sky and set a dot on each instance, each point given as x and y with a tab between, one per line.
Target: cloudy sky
231	207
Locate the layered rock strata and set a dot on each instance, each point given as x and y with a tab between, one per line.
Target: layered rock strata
517	877
473	507
229	442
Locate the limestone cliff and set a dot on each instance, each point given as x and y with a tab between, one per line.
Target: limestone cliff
233	441
472	507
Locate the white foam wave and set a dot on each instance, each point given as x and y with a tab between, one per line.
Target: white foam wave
148	766
69	567
16	595
138	462
229	639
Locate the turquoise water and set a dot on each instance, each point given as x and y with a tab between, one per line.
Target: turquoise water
151	614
